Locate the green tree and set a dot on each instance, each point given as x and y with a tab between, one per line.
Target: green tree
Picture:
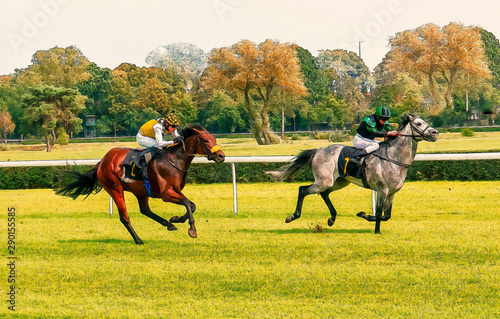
49	109
97	89
492	52
222	114
57	66
351	78
11	97
315	79
123	115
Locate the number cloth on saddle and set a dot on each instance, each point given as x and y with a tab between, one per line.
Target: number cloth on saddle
136	163
346	168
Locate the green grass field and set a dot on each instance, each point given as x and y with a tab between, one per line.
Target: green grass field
438	256
448	142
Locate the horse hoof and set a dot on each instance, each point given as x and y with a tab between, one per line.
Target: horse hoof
192	233
171	227
288	219
139	242
330	222
174	219
361	214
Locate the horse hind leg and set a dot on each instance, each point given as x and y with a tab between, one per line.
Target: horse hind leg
145	210
339	183
328	202
303	192
119	200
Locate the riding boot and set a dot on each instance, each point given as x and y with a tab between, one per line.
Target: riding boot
357	159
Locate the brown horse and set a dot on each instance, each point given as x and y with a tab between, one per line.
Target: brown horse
167	176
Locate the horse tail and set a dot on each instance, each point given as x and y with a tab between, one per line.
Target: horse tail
304	158
80	184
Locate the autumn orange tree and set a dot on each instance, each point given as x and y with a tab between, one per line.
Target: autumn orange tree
264	70
6	125
439	57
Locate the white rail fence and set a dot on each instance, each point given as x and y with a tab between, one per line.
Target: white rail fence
251	159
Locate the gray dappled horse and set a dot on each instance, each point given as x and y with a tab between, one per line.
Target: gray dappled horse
385	169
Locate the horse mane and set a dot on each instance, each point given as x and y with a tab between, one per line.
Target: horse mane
405	119
191	130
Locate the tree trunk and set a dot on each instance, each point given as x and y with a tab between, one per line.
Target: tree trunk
49	145
266	127
449	90
255	128
282	122
433	91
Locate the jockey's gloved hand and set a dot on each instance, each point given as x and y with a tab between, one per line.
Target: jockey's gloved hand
178	139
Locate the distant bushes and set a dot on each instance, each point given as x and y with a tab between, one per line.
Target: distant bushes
467	132
50	177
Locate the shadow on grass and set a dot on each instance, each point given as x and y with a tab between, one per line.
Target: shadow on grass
96	241
306	231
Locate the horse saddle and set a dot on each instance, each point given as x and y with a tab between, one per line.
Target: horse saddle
136	162
347	168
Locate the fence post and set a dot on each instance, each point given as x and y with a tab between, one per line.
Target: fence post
110	205
235	193
374	202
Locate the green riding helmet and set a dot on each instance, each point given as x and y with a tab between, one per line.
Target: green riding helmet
383	113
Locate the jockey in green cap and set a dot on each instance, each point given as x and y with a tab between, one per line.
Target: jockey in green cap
372	126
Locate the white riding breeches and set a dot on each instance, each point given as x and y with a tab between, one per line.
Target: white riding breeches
364	143
146	141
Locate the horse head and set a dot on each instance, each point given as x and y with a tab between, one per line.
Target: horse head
417	128
199	141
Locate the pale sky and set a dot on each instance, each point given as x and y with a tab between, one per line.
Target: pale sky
110	32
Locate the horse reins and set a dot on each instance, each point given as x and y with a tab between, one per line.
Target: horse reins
207	151
421	134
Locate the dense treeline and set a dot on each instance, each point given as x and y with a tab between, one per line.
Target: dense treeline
447	75
52	177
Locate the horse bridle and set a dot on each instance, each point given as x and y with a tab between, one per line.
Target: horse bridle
208	152
421	133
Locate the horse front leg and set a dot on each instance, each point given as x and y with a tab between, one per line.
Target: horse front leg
179	198
382	196
183	218
380	206
145	210
190	207
388	208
